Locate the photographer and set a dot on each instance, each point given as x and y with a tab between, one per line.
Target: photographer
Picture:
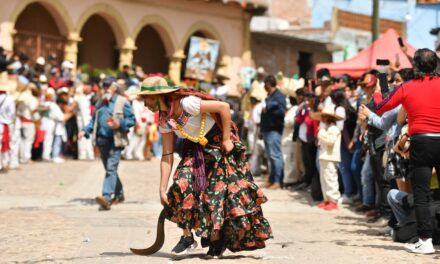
376	144
306	135
420	98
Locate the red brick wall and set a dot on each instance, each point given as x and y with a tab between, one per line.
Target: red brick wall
281	54
292	10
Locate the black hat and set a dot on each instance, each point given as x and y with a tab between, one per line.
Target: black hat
23	57
108	81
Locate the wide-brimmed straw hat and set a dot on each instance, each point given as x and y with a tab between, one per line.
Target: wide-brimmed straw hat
156	85
258	93
327	111
290	86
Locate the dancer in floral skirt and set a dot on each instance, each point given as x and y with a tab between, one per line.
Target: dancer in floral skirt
212	191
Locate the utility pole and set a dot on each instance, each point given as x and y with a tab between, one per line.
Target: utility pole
375	20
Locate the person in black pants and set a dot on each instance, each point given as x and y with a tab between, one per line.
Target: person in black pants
420	97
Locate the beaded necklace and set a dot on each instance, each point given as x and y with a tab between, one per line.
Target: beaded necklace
201	139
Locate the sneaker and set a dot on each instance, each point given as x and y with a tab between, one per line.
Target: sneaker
421	247
184	246
215	252
385	231
105	205
301	187
58	160
346	199
331	206
364	208
322	205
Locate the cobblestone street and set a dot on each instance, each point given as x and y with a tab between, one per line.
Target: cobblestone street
48	214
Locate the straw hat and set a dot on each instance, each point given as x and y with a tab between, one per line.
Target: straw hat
67	65
221	74
328	111
41	61
4	82
261	71
63	90
290	86
4	87
258	93
156	85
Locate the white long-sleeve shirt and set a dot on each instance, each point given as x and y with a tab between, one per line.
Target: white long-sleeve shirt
7	109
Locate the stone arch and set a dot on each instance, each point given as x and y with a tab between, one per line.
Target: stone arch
54	7
111	15
163	28
208	30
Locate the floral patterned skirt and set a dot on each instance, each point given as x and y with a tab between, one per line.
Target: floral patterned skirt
230	207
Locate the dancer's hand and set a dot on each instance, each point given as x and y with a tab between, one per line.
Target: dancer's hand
163	198
227	146
81	134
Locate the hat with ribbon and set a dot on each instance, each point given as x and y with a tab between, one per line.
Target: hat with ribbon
328	111
156	85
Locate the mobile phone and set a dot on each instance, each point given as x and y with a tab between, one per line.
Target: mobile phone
313	86
401	42
382	62
383	82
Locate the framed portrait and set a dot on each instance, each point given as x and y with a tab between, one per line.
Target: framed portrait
202	59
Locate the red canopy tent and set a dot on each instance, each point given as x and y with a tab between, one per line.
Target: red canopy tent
385	47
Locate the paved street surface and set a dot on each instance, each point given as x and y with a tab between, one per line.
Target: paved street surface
48	215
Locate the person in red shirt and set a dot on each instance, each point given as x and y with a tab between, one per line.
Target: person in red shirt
421	100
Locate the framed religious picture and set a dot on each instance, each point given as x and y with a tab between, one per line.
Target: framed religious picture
202	59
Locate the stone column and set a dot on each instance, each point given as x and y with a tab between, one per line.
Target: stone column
71	48
126	53
7	32
176	66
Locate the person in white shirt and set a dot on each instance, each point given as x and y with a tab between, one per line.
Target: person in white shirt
27	106
329	156
83	117
138	133
256	145
7	115
291	173
52	123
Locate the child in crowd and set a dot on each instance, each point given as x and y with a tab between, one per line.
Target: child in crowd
329	156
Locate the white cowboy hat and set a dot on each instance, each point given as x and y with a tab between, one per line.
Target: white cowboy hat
63	90
156	85
41	61
327	111
67	65
261	70
43	78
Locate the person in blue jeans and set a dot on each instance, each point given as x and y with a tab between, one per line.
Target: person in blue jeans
271	126
401	204
109	127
